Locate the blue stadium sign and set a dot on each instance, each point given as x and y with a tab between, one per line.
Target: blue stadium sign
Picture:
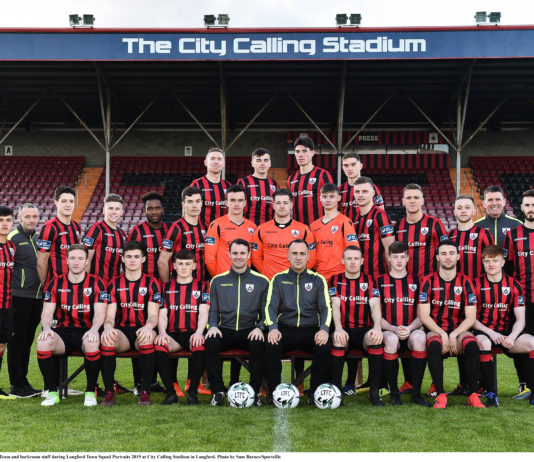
334	44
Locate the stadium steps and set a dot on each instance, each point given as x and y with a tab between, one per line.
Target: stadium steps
85	188
468	186
280	175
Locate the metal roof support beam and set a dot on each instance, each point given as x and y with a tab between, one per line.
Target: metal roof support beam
424	114
22	117
311	120
265	106
340	114
106	122
367	122
460	125
186	109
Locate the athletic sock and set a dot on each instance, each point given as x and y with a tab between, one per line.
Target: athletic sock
375	357
529	369
520	369
407	369
47	365
337	361
461	370
487	370
435	363
109	364
472	362
1	357
174	369
417	366
147	362
352	370
391	370
164	366
92	368
196	367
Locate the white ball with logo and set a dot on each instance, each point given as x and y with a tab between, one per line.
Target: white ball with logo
327	396
241	395
286	396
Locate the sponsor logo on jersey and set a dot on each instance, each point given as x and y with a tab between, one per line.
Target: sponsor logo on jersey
388	229
505	290
424	230
88	291
312	180
520	300
332	291
157	297
205	297
444	237
143	290
363	286
105	297
45	245
334	229
423	297
88	241
295	232
471	298
254	246
376	293
412	287
458	290
210	240
308	286
196	294
166	244
352	237
473	236
311	246
249	287
47	296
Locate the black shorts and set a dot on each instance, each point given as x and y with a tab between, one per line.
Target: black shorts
71	336
6	325
356	337
182	338
130	333
403	345
493	345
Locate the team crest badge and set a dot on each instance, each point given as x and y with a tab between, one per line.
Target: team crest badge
249	287
143	290
89	290
196	293
413	287
458	290
251	231
369	223
294	232
334	229
364	286
424	231
203	231
312	180
473	236
308	286
12	251
505	230
505	290
273	188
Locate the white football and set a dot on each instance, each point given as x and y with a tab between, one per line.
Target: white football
327	396
286	396
241	395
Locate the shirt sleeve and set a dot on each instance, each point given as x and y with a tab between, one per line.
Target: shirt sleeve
101	294
155	292
92	237
323	303
385	226
213	317
308	237
271	304
211	248
257	251
50	294
173	239
47	235
519	299
470	293
135	235
349	233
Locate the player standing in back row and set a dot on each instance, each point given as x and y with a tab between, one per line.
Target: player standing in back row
306	184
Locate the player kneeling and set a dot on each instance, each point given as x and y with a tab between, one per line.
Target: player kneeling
500	301
182	320
399	293
78	303
131	317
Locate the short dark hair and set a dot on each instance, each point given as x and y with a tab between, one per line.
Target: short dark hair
27	205
493	189
282	192
215	149
413	186
135	245
183	254
63	190
152	196
239	241
78	247
364	180
305	141
6	211
113	198
353	247
493	251
527	193
447	242
236	188
352	155
328	188
260	152
190	191
297	241
398	247
465	196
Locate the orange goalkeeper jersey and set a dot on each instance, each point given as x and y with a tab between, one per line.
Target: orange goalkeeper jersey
270	243
331	239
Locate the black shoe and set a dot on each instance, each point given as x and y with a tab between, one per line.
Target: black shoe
492	400
418	399
31	390
121	390
395	399
458	391
310	400
156	388
192	399
363	385
217	399
375	399
20	392
170	398
257	401
270	401
100	393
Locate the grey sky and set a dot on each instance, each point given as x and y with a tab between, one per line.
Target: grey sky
260	13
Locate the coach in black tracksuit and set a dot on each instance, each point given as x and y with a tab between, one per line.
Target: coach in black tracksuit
298	314
236	319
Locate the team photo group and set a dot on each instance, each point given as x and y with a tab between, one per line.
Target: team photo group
271	269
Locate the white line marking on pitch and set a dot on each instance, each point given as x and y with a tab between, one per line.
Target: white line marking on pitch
281	437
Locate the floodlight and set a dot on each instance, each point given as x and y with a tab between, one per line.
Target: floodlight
355	19
495	17
480	17
341	19
209	20
223	20
74	20
88	20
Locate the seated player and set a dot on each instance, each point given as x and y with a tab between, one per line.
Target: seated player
131	317
182	320
73	312
500	321
236	319
399	293
357	319
447	308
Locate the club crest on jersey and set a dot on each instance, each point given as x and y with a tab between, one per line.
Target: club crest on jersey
458	290
251	231
334	229
424	230
12	251
368	223
196	294
505	290
308	286
273	188
88	291
312	180
249	287
505	230
413	287
473	236
203	231
364	286
295	232
143	290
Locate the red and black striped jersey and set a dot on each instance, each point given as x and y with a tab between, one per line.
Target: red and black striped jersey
259	200
371	229
56	237
448	299
354	295
107	244
152	238
497	301
182	302
470	246
75	302
422	238
399	297
347	204
182	235
519	248
132	299
306	190
213	199
7	264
